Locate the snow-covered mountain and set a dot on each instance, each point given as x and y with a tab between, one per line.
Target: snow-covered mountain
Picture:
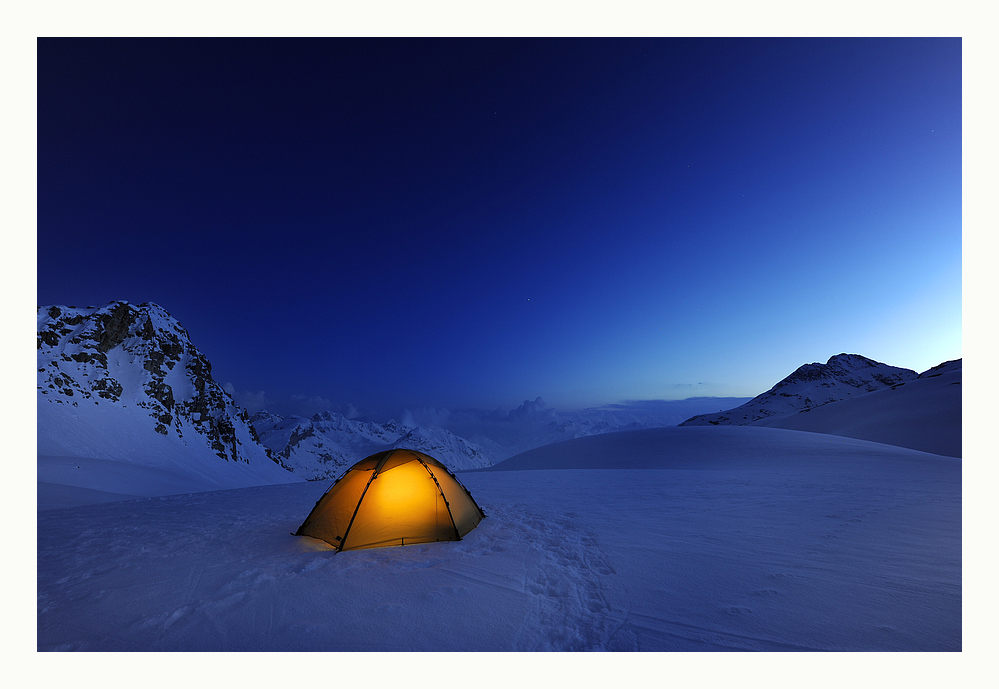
123	384
459	454
321	447
922	413
843	377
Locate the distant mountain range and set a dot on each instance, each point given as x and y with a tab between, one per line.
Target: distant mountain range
857	397
124	382
127	406
323	446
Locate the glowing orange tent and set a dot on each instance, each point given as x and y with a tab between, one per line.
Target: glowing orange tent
397	497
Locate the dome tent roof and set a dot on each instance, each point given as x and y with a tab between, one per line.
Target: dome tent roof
395	497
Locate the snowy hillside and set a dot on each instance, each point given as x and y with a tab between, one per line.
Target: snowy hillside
325	445
922	413
125	399
457	453
812	385
672	539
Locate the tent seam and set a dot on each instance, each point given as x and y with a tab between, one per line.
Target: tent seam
343	541
440	490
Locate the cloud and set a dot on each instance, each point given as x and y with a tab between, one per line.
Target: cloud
668	412
533	410
425	416
308	405
534	422
250	400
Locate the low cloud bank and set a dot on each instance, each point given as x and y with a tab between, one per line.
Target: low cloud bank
502	433
534	423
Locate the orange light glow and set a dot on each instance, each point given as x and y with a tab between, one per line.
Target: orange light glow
403	503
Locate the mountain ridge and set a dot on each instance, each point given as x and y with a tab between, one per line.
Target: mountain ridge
322	446
856	397
809	386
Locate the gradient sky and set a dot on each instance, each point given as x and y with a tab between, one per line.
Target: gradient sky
472	223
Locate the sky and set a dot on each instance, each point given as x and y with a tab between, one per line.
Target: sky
379	224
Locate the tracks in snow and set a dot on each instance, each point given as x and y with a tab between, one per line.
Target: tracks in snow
564	574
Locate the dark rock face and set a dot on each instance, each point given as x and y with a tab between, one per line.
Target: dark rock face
115	326
108	388
95	344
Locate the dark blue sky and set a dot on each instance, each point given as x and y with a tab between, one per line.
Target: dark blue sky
403	223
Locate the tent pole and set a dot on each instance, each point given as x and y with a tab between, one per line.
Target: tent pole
374	473
440	490
451	474
299	532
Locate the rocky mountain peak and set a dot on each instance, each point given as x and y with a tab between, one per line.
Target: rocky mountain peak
852	370
811	385
120	354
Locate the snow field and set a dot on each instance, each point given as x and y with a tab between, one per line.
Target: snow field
801	547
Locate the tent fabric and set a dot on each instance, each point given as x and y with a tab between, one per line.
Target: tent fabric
396	497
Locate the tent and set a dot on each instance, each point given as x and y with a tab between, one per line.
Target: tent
396	497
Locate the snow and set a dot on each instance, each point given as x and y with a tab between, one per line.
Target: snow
73	478
922	414
325	445
844	376
95	404
121	436
673	539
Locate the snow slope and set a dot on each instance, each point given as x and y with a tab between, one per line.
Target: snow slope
673	539
922	414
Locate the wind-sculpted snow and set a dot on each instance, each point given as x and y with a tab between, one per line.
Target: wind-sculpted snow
762	539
